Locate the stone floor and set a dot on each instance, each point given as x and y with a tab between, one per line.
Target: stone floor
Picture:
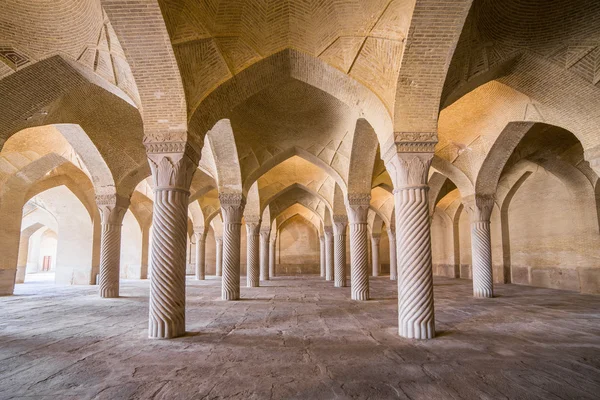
299	338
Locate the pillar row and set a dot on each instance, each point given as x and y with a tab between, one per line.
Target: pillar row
358	207
112	211
200	236
252	254
265	254
232	209
480	211
272	256
340	222
409	171
393	250
329	253
173	165
375	239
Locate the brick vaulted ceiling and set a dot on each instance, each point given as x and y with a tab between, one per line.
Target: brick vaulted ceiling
216	39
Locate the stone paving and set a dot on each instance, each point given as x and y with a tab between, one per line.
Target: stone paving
298	337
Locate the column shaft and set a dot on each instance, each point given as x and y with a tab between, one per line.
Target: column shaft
358	206
329	255
375	255
272	257
232	208
110	260
409	170
200	255
252	254
323	256
480	211
393	249
339	228
264	255
218	256
173	164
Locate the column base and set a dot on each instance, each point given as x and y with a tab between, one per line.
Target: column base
230	296
200	278
252	284
109	294
483	294
420	331
161	330
360	296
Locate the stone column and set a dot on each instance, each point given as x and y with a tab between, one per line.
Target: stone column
252	252
328	253
358	206
375	238
480	211
272	256
200	236
340	222
232	209
145	251
323	255
112	210
173	165
408	166
393	249
264	254
218	255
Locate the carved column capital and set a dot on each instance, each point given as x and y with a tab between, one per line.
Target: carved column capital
358	207
252	226
112	208
479	207
375	238
173	164
232	207
411	142
409	169
340	222
219	239
200	230
265	233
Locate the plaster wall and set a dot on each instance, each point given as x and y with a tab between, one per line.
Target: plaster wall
131	248
554	241
298	248
442	245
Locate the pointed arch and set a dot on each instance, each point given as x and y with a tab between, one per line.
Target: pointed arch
362	158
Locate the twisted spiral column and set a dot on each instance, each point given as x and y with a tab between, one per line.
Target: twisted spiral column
173	165
264	254
110	260
252	251
328	254
232	208
218	256
339	238
358	206
393	249
272	258
322	255
112	211
375	254
481	247
409	173
200	255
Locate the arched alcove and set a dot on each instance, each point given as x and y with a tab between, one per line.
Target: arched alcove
298	247
131	248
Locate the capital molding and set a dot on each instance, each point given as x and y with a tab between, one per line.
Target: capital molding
112	208
340	222
232	207
479	207
358	207
409	169
172	163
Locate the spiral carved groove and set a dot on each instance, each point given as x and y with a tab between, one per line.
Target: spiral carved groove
264	257
340	261
415	287
323	256
200	262
483	285
252	266
219	257
110	259
167	287
272	267
230	288
393	260
329	257
359	261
